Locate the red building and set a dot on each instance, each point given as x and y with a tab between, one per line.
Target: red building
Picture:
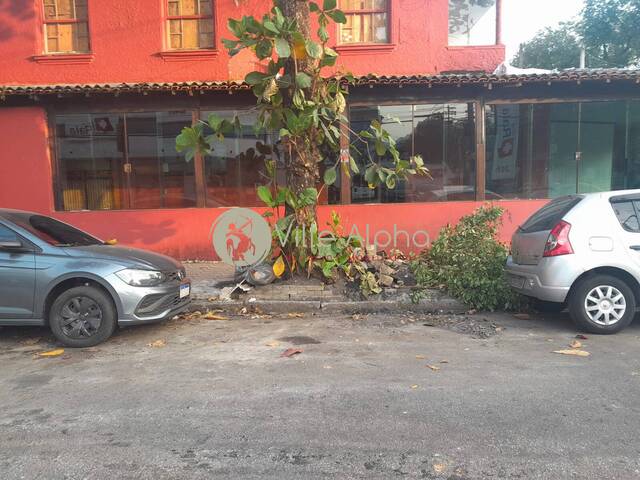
93	93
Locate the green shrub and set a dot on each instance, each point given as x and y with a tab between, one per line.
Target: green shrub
467	260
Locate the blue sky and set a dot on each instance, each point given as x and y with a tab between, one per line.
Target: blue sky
523	18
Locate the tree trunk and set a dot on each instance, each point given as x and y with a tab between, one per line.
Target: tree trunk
302	164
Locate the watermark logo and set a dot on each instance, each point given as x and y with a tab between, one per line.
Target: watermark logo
241	237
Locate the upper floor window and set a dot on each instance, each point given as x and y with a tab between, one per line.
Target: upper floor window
472	22
66	26
367	21
190	24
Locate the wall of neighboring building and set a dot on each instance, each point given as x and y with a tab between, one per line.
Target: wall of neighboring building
26	183
127	44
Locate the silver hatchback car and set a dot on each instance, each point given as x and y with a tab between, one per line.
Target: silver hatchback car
582	252
82	288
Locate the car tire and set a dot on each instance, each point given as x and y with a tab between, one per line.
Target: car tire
595	312
82	317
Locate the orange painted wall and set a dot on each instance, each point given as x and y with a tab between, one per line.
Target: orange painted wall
25	183
128	36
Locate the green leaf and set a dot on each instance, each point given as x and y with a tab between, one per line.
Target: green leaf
255	78
391	182
314	7
323	34
371	175
264	48
235	27
309	196
215	122
353	165
313	49
381	149
327	268
328	61
338	16
329	4
283	49
264	194
303	80
284	133
269	25
281	196
279	17
330	176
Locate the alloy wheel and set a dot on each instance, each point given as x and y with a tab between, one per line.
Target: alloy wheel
605	305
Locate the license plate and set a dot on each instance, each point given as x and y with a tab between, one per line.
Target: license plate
185	290
516	281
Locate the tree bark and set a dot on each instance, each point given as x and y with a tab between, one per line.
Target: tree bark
302	163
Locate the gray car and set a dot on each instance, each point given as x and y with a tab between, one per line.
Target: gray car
82	288
582	252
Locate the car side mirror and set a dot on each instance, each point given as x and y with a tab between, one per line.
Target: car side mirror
11	245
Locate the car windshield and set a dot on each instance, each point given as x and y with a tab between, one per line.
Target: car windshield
54	232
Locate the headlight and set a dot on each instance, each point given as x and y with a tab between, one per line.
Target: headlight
141	278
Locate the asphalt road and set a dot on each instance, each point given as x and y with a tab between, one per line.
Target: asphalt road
218	401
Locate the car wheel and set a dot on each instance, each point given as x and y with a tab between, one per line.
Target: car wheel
82	317
602	304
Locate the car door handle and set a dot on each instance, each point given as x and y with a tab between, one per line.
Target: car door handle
635	247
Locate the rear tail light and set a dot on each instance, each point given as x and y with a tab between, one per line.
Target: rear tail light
558	242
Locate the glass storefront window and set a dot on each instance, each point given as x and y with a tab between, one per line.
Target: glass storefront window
160	177
99	170
236	167
444	134
90	161
549	150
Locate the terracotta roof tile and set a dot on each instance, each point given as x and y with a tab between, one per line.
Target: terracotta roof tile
606	75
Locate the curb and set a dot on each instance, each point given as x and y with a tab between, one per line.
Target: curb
437	303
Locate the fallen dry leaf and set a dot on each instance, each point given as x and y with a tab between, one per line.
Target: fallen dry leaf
444	361
213	316
278	267
295	315
439	467
435	368
52	353
578	353
413	387
522	316
575	344
290	352
157	344
420	357
273	343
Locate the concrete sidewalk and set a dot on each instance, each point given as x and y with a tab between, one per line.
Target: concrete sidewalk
307	295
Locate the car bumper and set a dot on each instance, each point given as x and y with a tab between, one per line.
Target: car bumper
545	281
150	304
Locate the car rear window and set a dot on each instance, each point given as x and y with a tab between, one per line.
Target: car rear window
548	216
